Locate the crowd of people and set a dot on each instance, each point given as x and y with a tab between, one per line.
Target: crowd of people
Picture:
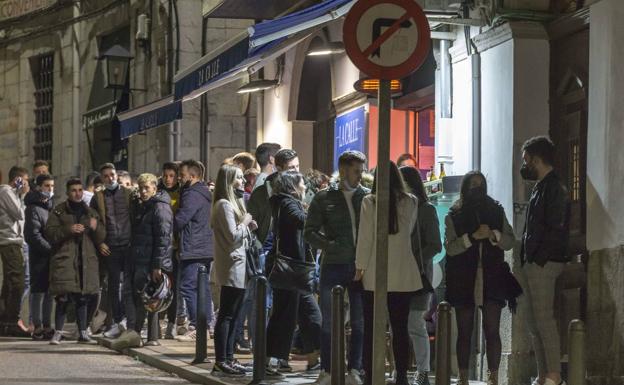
123	250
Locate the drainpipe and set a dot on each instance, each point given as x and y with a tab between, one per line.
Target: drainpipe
475	60
174	129
77	136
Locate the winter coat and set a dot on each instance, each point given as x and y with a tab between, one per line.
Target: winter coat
260	208
11	216
230	241
116	223
152	233
192	222
38	207
74	263
462	258
547	223
289	225
431	243
329	227
403	271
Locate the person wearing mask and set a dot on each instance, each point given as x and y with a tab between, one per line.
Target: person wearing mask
331	226
543	254
426	243
192	224
90	185
265	156
289	218
260	208
407	160
176	313
40	167
39	203
476	237
150	258
113	207
12	250
75	231
232	225
403	272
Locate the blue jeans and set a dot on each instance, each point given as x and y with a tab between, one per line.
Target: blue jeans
188	288
341	274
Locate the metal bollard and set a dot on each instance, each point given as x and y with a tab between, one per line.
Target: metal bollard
153	327
201	343
259	343
443	345
337	337
576	353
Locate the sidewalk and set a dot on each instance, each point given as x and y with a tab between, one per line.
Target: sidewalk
177	357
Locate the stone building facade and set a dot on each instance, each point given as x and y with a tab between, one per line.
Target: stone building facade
53	100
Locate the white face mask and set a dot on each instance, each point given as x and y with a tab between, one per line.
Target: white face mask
112	186
48	194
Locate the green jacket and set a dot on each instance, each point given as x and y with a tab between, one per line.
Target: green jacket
65	274
328	226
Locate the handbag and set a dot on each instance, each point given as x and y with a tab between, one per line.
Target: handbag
291	274
252	255
427	287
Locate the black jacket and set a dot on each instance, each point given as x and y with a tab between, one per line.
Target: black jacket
38	208
192	222
547	223
152	232
289	225
260	209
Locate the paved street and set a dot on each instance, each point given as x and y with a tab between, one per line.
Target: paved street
24	361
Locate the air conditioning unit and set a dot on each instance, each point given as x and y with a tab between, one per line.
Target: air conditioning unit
531	5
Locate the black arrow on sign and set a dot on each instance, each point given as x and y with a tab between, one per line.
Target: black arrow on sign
380	23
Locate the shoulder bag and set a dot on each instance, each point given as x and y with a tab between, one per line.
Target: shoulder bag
288	273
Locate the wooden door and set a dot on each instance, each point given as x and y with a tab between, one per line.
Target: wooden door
568	129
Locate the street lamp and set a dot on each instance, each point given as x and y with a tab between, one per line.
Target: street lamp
257	85
117	62
319	48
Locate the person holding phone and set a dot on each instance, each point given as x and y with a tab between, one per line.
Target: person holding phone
11	250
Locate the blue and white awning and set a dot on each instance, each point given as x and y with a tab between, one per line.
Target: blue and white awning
150	115
251	50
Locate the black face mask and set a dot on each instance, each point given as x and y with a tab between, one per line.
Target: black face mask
528	173
186	184
476	195
239	193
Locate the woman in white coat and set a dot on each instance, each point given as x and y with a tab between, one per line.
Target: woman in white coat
231	225
403	273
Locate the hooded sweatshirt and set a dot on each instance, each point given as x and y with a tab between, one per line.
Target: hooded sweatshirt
11	216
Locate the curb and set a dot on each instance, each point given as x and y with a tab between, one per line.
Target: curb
170	365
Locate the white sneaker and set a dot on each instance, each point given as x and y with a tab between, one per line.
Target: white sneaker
551	382
323	379
115	331
353	378
189	336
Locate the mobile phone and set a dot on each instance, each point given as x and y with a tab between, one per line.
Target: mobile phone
19	183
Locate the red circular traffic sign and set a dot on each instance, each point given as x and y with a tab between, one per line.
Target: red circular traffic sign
387	39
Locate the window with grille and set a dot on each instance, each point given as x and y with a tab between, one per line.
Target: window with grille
43	76
575	171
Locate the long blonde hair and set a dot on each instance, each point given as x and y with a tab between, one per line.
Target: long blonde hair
224	190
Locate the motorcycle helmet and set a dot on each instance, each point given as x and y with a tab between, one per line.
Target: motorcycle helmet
157	296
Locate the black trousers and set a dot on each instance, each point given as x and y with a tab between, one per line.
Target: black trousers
225	328
290	308
398	309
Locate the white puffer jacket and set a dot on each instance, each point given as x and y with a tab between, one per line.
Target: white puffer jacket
11	216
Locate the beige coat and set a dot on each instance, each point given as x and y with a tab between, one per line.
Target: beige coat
403	272
230	240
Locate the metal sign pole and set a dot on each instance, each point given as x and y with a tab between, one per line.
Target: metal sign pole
381	249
